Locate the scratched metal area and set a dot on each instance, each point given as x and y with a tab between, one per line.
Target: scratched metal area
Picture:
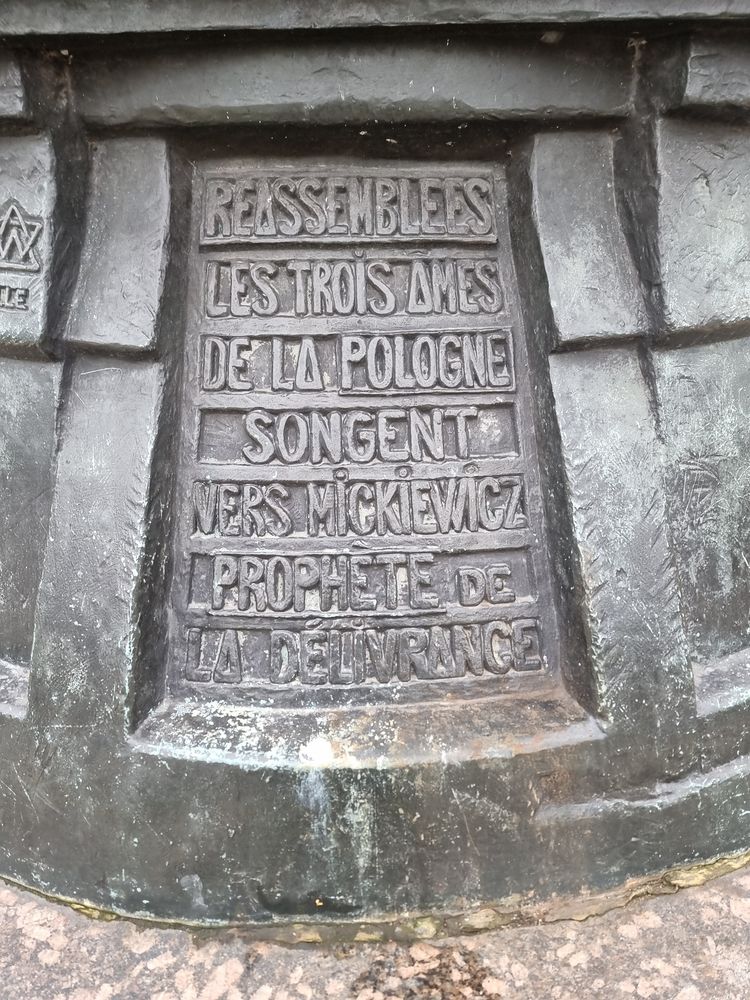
374	456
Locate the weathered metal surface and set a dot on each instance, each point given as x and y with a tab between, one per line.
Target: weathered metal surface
13	102
29	399
350	82
704	224
372	466
26	221
717	75
111	17
594	291
125	251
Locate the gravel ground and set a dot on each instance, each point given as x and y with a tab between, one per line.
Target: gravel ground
692	945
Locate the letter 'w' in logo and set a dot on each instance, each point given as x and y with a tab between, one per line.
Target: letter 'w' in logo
18	234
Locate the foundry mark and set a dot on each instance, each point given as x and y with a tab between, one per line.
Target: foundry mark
19	233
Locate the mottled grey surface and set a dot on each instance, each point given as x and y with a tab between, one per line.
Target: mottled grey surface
608	431
442	79
110	16
12	92
28	193
125	249
718	74
593	285
688	946
704	223
704	395
29	396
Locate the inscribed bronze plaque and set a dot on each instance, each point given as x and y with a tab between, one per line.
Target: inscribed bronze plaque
358	491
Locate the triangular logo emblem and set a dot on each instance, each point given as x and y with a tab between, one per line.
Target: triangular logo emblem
19	233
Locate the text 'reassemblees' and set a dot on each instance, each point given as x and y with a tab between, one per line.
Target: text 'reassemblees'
378	206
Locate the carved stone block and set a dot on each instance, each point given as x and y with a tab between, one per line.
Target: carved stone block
105	17
394	82
13	104
717	74
85	626
28	411
593	286
615	472
704	399
117	301
704	223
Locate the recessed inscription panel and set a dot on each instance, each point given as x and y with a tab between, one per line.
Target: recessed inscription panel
359	484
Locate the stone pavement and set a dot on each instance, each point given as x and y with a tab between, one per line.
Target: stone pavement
692	945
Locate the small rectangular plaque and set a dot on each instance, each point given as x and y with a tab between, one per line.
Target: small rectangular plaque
358	488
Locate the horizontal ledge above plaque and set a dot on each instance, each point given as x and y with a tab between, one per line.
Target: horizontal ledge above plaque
435	79
99	17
